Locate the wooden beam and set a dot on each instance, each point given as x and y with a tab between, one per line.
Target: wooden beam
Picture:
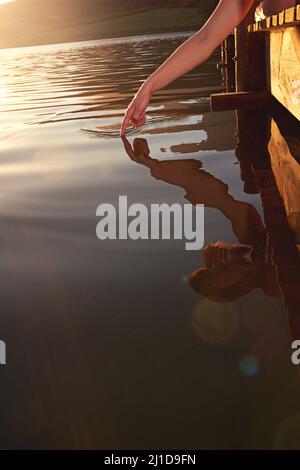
228	59
285	19
281	18
268	22
240	100
275	20
283	67
290	15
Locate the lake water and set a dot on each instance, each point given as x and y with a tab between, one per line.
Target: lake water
108	346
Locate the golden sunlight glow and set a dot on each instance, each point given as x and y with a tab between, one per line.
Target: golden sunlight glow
5	1
2	93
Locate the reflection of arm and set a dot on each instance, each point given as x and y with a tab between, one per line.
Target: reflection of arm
247	224
202	188
228	14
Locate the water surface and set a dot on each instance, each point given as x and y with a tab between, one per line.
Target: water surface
108	345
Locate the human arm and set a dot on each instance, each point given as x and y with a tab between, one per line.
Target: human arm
193	52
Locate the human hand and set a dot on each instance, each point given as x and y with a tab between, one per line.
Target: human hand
136	111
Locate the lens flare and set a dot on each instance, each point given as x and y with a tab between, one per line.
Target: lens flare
215	323
249	366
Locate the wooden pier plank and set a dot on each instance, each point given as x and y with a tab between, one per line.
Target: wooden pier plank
268	22
281	18
283	57
275	20
287	18
240	100
272	62
290	15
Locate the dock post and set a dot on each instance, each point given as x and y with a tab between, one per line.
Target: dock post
250	56
250	71
228	62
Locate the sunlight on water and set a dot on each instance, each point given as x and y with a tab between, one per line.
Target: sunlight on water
89	81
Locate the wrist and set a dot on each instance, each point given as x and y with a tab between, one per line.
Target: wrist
149	86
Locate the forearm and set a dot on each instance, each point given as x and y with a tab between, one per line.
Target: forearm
193	52
190	54
227	15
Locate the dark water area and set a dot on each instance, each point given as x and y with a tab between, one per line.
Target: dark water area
108	345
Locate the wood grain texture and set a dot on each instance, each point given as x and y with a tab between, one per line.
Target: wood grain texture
285	161
283	62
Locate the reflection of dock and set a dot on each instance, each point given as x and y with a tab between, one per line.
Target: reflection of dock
269	152
218	138
284	149
267	75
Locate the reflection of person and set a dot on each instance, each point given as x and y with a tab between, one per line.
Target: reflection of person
202	188
193	52
232	270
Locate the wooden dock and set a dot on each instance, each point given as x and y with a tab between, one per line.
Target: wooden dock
271	63
282	49
266	97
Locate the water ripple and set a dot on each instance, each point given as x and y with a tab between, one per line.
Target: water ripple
94	80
